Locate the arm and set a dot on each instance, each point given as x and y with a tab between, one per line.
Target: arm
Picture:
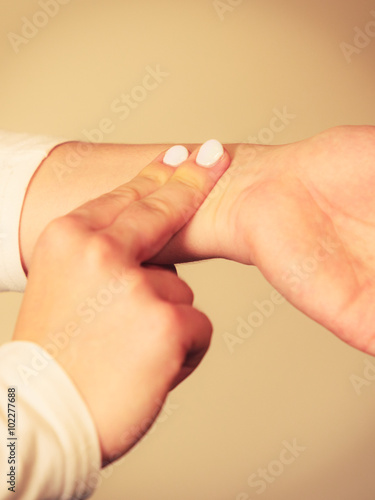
125	333
303	213
75	172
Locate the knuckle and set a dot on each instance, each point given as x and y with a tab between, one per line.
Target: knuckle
169	321
58	233
171	315
166	335
124	192
101	250
157	205
186	292
155	173
57	242
142	283
63	225
188	182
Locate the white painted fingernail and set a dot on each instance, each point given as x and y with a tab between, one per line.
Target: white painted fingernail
209	153
175	156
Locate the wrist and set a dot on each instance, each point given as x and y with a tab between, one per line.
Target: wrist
220	228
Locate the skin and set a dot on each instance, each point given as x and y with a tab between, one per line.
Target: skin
123	354
303	213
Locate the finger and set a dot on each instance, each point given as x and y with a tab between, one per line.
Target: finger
197	331
147	225
169	287
102	211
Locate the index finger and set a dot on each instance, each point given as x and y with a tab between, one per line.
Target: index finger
146	225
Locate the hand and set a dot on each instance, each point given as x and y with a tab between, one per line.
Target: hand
132	332
304	213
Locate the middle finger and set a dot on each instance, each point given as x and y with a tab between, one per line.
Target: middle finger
102	211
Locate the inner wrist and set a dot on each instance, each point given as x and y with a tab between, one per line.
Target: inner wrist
239	209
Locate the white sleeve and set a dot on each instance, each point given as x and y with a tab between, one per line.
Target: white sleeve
54	444
20	156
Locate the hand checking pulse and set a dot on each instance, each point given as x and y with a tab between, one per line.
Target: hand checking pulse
143	335
303	213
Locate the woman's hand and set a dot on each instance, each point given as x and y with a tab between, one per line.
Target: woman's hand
125	332
304	214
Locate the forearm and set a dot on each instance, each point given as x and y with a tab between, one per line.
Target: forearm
72	174
76	172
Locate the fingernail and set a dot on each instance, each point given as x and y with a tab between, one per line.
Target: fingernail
175	156
209	153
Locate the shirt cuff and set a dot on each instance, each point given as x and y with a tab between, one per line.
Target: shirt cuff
57	448
20	156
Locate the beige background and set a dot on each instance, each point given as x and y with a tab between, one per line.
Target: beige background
291	379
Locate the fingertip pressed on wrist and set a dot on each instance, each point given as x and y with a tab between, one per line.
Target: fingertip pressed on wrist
175	155
207	155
